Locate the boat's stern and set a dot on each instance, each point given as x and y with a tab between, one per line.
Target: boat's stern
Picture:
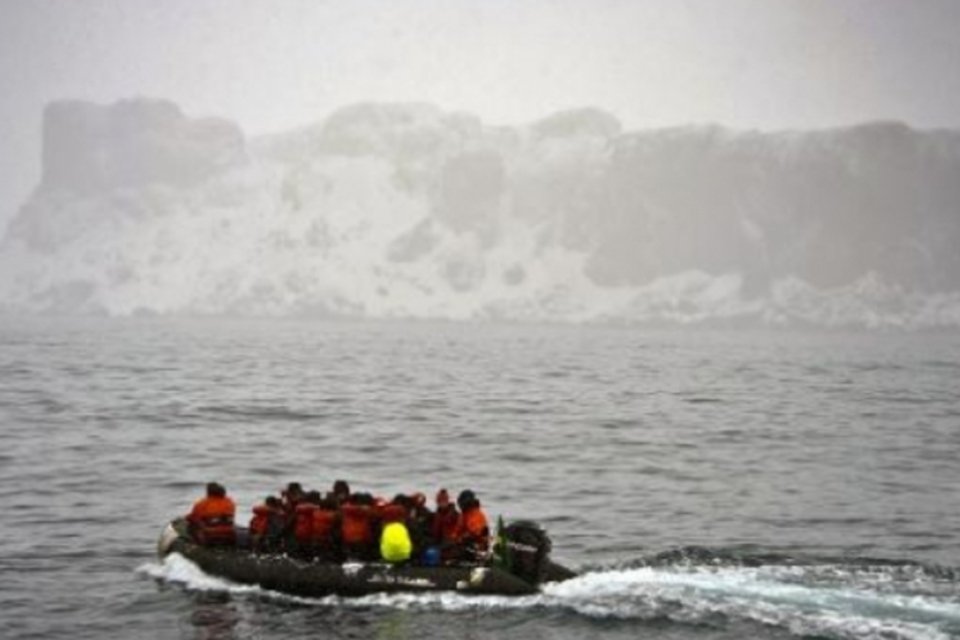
523	548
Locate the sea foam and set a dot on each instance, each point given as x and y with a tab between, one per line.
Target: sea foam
853	603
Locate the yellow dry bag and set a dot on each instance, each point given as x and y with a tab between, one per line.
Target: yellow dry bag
395	545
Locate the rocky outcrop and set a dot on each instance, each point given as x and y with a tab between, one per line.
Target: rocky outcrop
88	148
396	210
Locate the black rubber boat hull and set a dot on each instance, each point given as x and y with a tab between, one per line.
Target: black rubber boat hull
278	572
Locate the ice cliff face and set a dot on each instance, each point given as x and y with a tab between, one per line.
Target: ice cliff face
409	211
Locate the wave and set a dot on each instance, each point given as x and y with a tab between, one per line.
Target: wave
838	598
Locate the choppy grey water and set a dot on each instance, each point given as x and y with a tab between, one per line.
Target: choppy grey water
708	484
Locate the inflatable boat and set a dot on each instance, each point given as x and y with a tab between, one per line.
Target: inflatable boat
519	570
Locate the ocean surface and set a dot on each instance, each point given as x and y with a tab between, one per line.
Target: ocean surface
707	484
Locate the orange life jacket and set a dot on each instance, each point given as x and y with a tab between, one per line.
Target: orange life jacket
303	525
392	513
445	527
474	528
356	527
322	525
212	519
267	520
260	520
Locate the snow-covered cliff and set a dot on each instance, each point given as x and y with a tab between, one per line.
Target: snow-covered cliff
388	210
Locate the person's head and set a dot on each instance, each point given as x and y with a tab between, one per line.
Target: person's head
294	489
341	489
312	497
216	490
361	498
467	499
273	501
443	499
419	500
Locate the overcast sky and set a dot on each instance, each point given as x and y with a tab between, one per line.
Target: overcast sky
273	64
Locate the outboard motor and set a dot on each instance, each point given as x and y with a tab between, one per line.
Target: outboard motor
527	549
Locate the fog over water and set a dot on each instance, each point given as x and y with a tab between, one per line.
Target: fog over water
790	64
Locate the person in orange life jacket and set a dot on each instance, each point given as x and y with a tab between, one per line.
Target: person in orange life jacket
303	523
474	532
357	520
291	497
324	530
266	526
341	492
445	526
210	522
419	501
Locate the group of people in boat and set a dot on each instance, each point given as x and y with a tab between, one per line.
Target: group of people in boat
342	525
